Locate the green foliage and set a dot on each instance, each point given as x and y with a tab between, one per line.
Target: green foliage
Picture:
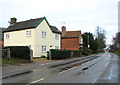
77	53
86	51
88	38
64	54
60	54
13	61
22	52
42	56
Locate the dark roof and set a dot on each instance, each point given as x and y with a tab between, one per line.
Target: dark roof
55	29
32	23
23	25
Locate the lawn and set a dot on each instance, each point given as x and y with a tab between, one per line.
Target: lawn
13	61
117	53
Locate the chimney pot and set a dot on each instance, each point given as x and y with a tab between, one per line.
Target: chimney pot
63	29
13	20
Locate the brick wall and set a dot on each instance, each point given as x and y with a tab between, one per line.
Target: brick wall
70	43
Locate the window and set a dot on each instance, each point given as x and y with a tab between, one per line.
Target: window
43	48
43	34
29	33
81	40
56	47
56	36
7	35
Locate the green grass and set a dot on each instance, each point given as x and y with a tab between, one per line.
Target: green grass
117	53
13	61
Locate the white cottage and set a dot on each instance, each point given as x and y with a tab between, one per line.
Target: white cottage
35	33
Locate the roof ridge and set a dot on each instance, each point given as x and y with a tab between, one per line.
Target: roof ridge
29	20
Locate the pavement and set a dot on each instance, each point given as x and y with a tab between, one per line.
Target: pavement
11	70
111	73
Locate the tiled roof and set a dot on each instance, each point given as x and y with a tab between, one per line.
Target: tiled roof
72	34
32	23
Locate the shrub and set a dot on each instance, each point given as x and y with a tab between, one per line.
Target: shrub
77	53
42	56
64	54
22	52
86	51
60	54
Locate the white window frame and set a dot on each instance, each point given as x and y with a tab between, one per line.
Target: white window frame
44	48
7	35
56	47
43	34
56	36
80	40
28	33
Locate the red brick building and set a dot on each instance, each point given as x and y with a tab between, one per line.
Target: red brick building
71	40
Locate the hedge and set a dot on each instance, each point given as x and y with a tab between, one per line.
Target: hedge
22	52
86	51
64	54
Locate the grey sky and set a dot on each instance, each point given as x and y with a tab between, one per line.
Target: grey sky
82	15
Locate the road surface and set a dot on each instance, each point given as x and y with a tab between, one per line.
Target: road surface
102	68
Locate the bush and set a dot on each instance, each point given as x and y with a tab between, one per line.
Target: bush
22	52
60	54
42	56
64	54
77	53
86	51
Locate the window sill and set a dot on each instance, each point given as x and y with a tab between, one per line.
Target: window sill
43	51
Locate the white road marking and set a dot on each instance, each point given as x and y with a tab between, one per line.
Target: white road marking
47	63
67	70
106	65
42	64
95	80
38	80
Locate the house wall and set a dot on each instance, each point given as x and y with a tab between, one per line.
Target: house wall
47	41
19	38
70	43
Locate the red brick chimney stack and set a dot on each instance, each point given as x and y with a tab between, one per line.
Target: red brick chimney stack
13	20
63	29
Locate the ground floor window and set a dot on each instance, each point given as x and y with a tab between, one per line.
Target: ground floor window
56	47
43	48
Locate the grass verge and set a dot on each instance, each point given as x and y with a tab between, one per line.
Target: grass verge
13	61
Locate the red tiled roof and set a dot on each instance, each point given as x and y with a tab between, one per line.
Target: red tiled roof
72	33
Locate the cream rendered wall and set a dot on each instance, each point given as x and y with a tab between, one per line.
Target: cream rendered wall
48	41
19	38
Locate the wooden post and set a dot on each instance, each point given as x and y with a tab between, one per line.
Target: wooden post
8	53
71	54
49	55
31	55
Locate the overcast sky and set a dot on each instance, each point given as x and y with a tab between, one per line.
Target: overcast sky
84	15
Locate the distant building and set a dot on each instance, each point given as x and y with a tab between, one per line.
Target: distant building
71	40
1	36
35	33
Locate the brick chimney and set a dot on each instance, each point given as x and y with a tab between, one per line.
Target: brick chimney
13	20
63	30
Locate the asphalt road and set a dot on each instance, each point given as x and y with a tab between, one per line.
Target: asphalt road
89	70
